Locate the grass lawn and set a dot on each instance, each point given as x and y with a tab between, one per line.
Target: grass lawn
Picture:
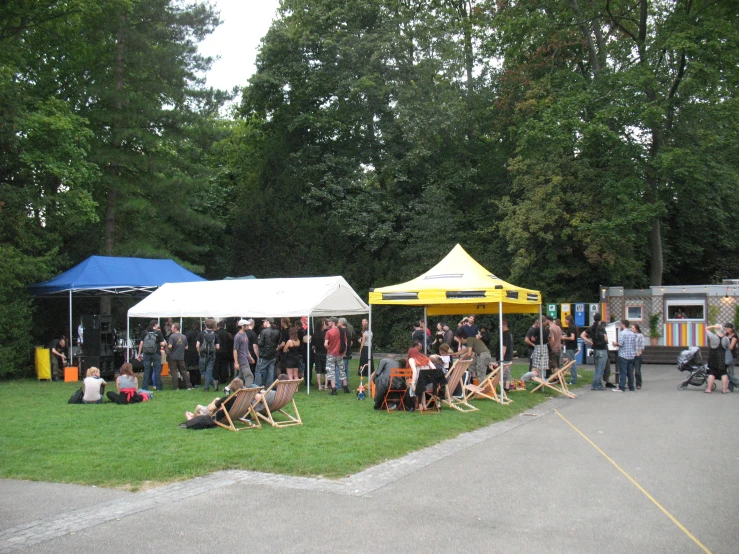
140	445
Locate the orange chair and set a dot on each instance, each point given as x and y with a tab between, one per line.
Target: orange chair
406	375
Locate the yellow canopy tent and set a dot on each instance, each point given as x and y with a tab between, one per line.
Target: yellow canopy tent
458	284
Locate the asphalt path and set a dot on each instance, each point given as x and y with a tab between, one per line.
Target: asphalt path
649	471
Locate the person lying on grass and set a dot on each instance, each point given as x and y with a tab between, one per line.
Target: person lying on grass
210	409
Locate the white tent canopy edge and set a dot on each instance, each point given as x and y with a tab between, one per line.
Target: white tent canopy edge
281	297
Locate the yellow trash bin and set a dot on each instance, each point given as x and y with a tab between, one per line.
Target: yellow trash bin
43	363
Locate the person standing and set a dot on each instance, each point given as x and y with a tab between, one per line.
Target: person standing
348	331
177	346
533	339
470	329
365	367
253	348
291	348
732	351
319	354
419	335
639	351
475	349
448	334
555	345
267	343
569	337
208	345
224	357
626	353
595	336
150	347
241	352
334	355
507	355
58	358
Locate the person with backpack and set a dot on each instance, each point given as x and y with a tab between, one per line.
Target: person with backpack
595	335
150	346
207	346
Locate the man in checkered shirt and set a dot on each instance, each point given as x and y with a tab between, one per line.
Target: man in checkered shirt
626	353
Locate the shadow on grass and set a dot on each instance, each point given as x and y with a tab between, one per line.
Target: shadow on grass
43	438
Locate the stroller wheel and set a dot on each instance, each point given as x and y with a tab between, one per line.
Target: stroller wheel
682	386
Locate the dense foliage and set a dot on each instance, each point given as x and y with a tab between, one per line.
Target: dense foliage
564	144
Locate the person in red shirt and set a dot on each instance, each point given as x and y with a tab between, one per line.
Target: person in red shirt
334	354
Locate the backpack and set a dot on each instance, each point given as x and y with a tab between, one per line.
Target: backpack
76	398
600	341
150	342
208	346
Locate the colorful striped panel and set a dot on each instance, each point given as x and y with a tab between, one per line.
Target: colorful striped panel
685	334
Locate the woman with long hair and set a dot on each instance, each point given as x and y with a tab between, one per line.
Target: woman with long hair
292	353
364	344
424	373
284	337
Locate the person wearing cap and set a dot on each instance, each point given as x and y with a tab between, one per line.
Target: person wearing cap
241	354
595	335
177	345
267	342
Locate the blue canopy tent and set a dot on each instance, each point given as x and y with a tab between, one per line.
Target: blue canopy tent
106	275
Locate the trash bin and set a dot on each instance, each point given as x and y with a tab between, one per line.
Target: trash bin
580	352
43	363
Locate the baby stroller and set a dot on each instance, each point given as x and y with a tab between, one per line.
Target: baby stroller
690	360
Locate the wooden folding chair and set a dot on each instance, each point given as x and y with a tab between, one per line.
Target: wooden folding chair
284	395
235	409
454	377
556	381
405	374
488	388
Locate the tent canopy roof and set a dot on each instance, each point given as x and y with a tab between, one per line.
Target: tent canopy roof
286	297
112	275
458	284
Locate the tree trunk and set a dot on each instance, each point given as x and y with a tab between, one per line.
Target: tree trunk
656	265
112	193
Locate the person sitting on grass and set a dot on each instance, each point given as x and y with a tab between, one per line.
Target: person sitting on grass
210	409
127	386
94	387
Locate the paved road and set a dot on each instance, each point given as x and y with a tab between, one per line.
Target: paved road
538	483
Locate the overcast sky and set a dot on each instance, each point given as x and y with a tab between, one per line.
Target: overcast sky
236	40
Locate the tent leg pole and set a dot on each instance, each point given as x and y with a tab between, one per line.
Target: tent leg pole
307	360
128	338
71	335
500	359
425	328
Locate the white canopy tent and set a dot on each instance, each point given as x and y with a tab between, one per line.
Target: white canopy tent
287	297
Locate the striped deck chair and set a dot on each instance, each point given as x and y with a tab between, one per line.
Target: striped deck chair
284	395
556	381
234	410
488	388
453	377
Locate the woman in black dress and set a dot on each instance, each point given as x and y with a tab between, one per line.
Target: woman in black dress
292	353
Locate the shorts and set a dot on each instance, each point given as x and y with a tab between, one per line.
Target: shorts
554	359
320	360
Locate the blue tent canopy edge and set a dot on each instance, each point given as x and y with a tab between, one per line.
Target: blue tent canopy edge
116	275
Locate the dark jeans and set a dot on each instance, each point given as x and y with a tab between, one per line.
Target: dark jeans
152	370
637	371
626	373
206	370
